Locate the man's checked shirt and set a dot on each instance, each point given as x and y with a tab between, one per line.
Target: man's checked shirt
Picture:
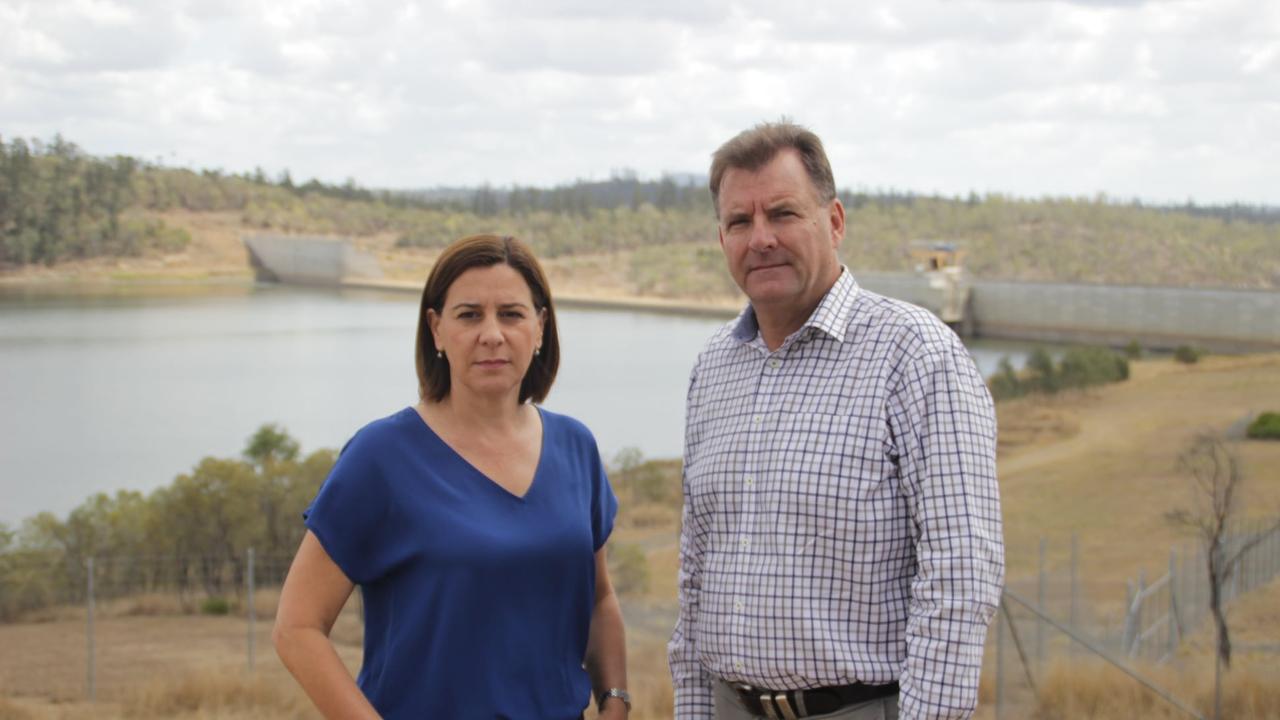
841	517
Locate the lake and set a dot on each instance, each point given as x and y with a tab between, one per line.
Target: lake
106	389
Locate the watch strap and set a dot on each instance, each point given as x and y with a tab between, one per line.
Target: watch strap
619	693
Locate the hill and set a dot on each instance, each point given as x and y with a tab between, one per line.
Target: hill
66	214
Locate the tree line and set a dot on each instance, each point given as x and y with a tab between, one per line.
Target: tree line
191	535
58	203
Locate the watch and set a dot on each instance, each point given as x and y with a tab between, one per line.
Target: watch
619	693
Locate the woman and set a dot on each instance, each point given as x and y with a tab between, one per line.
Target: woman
474	523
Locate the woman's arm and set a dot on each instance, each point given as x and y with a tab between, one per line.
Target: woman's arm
607	643
313	595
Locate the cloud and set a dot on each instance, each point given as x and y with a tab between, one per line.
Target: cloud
1158	99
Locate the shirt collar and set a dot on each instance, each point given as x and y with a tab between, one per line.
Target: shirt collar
831	316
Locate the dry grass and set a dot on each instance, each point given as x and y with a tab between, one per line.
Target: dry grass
10	710
1103	693
153	604
222	693
1113	481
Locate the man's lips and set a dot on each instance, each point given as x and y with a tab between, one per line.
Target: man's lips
766	266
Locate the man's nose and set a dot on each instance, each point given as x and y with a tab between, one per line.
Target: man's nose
763	238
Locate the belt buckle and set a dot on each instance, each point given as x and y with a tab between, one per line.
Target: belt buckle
775	705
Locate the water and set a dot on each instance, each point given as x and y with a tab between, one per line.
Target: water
102	391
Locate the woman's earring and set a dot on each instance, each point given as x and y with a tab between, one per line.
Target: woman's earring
537	352
439	353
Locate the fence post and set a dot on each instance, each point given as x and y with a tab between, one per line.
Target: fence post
1175	623
1128	617
252	609
88	604
1075	590
1040	599
1139	606
999	663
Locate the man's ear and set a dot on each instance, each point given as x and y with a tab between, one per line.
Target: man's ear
837	223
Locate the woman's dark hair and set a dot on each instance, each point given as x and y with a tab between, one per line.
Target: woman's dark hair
481	251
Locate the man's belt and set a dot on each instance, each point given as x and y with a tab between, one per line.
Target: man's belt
793	704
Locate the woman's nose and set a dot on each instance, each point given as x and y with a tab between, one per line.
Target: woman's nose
490	331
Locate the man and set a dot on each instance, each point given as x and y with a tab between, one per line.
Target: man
841	546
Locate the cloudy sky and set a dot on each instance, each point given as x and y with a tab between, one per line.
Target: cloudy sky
1160	100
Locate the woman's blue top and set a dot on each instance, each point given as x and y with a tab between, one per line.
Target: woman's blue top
477	603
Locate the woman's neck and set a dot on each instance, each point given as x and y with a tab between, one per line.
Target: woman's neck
480	415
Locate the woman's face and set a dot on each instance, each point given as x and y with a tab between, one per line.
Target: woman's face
488	330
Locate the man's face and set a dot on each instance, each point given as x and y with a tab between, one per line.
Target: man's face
779	240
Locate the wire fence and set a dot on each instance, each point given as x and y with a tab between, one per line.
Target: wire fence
78	628
90	628
1057	619
1158	614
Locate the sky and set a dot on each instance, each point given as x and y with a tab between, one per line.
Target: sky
1161	101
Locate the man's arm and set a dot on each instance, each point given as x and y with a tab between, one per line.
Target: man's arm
947	436
691	683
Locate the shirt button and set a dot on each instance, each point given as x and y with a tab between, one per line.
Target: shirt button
745	543
737	665
775	363
737	605
757	419
750	482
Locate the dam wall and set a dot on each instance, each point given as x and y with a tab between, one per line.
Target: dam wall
308	260
1224	320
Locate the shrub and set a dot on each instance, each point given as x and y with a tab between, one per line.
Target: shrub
1187	355
1005	384
215	606
628	568
1265	427
1082	367
1044	376
1133	350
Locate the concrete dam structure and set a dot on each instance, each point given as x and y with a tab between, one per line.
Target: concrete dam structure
1221	320
307	260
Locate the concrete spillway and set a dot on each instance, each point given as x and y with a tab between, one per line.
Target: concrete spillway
308	260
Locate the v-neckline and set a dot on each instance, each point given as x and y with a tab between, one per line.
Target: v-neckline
537	466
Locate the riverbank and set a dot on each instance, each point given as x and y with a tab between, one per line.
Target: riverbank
216	257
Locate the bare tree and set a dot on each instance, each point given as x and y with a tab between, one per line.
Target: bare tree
1216	479
1217	482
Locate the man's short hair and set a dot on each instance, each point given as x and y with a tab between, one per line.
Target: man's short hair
482	251
753	149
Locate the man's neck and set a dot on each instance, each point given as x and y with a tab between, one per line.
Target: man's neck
778	322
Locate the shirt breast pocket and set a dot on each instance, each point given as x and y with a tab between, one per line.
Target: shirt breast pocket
831	472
